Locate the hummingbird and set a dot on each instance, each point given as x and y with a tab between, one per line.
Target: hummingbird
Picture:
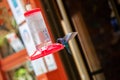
66	39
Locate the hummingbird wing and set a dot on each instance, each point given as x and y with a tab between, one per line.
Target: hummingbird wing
70	36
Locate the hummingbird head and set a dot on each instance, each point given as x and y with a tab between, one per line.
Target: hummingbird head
62	41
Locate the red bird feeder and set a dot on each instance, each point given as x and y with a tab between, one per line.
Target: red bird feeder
46	50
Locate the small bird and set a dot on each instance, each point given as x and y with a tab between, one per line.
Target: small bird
66	39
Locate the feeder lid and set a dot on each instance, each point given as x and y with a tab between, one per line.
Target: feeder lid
46	50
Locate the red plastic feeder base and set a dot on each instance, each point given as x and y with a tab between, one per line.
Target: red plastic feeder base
46	50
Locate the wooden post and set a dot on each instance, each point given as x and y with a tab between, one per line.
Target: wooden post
73	44
87	45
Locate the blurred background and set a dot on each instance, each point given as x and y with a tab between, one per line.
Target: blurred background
94	52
